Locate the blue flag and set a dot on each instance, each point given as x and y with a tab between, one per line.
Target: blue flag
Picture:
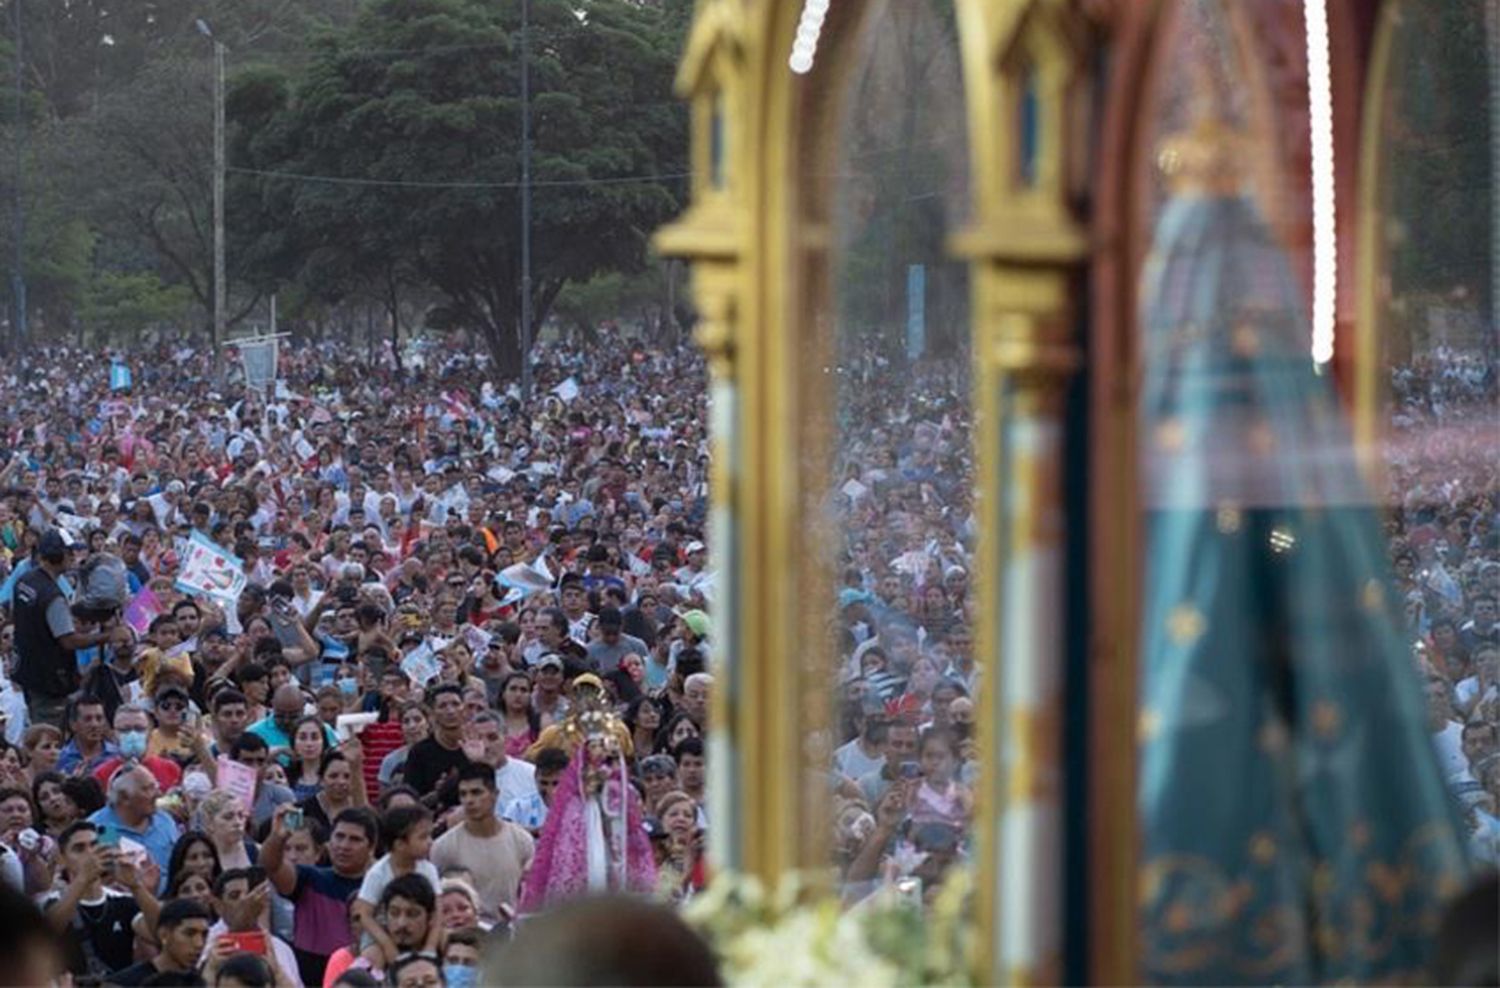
119	376
1295	826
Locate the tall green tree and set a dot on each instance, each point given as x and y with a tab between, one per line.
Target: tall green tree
118	143
397	150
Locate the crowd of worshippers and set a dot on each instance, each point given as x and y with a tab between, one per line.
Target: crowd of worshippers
297	681
459	615
1444	528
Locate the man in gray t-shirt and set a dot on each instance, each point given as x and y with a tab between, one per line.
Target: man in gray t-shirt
613	644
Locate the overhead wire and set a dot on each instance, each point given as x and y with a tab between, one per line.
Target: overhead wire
542	33
419	184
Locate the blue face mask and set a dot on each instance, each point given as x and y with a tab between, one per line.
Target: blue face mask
133	744
348	687
460	975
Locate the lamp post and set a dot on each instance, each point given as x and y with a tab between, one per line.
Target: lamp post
525	201
18	270
219	280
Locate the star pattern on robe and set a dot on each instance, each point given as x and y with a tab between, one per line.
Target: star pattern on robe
1185	624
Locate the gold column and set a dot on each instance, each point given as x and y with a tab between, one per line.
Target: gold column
1027	252
711	235
1025	361
1372	298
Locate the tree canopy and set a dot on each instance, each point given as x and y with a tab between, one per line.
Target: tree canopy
374	156
394	154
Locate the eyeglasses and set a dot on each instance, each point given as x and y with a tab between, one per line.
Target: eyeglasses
169	705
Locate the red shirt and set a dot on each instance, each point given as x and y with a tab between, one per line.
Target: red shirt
378	740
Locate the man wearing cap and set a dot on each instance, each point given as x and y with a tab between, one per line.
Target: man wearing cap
693	631
692	574
547	695
46	636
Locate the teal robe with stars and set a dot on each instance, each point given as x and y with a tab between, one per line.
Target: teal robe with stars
1295	827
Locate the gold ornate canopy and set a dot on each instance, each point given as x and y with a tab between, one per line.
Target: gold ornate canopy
758	239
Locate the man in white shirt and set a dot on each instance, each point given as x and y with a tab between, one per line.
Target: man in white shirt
1470	692
380	486
1447	732
514	778
692	574
865	754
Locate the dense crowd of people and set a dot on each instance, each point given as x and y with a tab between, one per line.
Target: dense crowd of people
903	755
458	668
1444	527
337	683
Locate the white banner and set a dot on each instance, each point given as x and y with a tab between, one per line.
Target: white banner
258	358
567	391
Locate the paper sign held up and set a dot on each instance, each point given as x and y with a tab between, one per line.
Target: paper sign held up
208	570
143	608
350	725
477	639
421	665
239	780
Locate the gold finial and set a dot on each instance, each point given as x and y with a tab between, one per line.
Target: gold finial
1204	158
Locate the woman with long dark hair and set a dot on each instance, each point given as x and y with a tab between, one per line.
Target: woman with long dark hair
521	722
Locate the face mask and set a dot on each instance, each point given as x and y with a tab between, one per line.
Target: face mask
133	744
460	975
348	687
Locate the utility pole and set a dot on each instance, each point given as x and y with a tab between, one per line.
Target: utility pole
220	306
525	200
1492	58
18	270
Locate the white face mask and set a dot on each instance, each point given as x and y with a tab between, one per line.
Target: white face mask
133	744
860	631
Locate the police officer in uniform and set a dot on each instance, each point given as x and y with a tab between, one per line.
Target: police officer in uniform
47	636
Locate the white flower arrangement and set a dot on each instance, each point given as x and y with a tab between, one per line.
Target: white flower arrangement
795	938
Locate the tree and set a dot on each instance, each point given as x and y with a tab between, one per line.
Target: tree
119	304
652	297
904	159
143	164
118	111
414	111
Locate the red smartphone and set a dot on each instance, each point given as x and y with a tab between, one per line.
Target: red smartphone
249	942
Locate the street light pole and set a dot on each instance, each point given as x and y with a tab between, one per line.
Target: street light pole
220	307
525	200
18	271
